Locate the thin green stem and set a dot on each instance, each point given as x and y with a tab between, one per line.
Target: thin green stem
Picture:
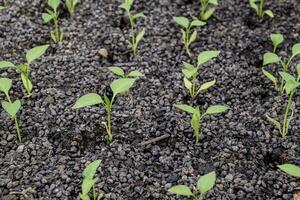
201	196
17	128
56	31
203	8
94	192
261	8
194	85
132	27
285	127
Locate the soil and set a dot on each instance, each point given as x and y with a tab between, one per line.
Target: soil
241	145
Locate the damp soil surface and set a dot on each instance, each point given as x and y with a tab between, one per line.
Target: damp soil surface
240	145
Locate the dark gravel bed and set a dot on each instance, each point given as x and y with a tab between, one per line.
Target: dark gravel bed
241	145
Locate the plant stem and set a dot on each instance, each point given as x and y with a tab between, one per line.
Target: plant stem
285	127
56	31
132	33
18	129
201	196
194	85
203	8
94	192
261	8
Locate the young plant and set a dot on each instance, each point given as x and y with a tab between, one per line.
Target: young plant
119	86
190	73
186	25
290	86
24	69
290	169
135	38
89	182
204	184
260	9
120	72
197	115
5	4
206	12
11	107
56	35
71	5
273	58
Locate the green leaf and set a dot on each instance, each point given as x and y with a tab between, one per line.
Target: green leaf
187	84
253	5
208	13
183	35
270	77
181	190
135	73
270	58
290	169
139	37
26	82
125	6
139	15
35	53
88	100
206	56
287	77
207	85
121	85
269	13
188	66
274	122
117	70
197	23
47	17
195	122
182	21
298	71
54	4
2	8
216	109
189	73
290	82
5	85
277	39
84	197
214	2
6	64
193	37
91	169
87	185
296	49
206	182
186	108
11	108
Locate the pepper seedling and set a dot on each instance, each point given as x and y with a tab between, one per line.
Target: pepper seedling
197	116
186	25
11	107
204	184
291	85
71	5
118	86
120	72
290	169
56	35
191	73
272	58
135	38
89	181
260	9
206	10
24	69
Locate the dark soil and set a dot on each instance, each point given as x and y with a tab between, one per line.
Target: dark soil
241	145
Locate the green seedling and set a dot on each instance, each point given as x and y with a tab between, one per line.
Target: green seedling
271	58
290	169
120	72
11	107
135	38
197	115
260	9
191	73
89	182
56	35
186	25
71	5
290	86
204	184
119	86
25	68
5	4
206	10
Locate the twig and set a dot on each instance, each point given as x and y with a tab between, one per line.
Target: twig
154	140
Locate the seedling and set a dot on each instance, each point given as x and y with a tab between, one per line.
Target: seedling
204	184
71	5
186	25
119	86
89	181
191	73
135	38
11	107
56	35
290	86
24	69
290	169
260	9
273	58
120	72
5	4
197	116
206	10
